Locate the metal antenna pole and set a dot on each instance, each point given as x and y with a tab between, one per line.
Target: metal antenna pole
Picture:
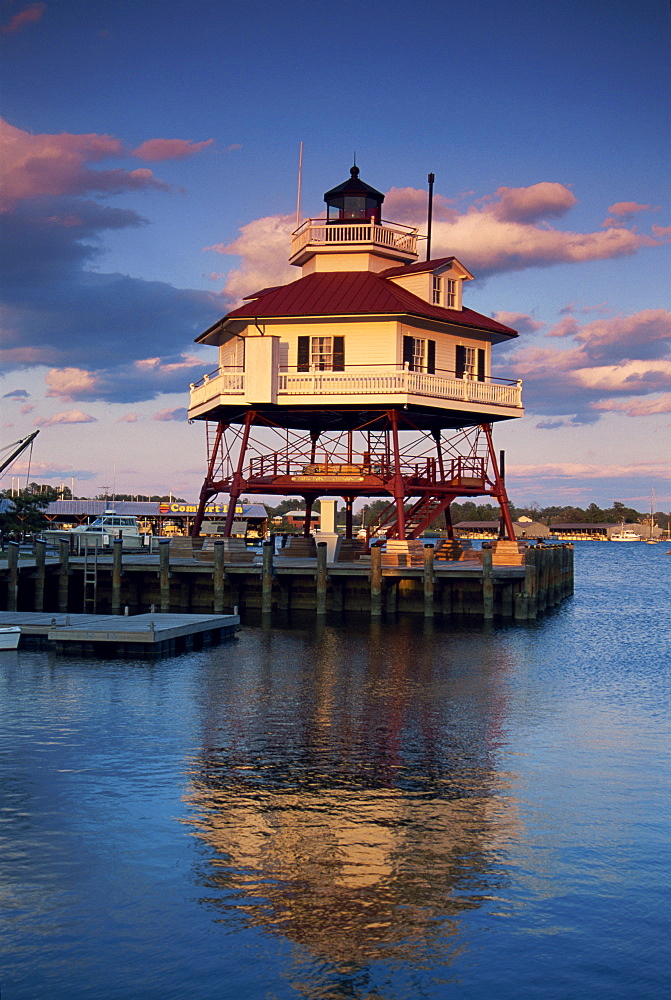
300	181
431	179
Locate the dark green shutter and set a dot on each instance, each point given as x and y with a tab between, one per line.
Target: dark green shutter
303	354
408	351
481	365
338	354
431	356
461	361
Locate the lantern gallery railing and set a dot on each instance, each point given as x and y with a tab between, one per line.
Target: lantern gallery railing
322	232
383	380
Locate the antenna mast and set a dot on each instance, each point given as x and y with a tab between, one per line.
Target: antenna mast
431	178
300	180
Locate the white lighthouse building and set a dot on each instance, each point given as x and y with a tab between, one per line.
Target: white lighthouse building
366	377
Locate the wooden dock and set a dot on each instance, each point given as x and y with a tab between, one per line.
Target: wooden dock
144	635
504	580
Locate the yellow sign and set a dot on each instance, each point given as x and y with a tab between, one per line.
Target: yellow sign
336	480
191	508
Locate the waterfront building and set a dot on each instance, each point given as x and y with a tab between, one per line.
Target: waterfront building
166	518
366	377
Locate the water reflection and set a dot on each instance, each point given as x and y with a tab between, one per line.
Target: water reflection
348	789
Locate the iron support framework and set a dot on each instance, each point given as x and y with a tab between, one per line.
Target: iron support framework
385	455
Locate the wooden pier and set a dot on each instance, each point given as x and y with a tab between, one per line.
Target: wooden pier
500	581
121	635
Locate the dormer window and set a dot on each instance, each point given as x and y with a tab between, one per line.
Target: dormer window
436	290
451	296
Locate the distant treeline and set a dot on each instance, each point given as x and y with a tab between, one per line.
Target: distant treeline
37	495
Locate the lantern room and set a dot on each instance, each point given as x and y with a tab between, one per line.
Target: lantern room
354	201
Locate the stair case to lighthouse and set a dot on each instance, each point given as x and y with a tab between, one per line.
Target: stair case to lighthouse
417	518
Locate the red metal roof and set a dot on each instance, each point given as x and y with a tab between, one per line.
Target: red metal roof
351	293
421	265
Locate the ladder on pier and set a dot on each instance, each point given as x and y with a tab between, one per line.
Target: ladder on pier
90	578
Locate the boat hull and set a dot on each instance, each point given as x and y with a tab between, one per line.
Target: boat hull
9	637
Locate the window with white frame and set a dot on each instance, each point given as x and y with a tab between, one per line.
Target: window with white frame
469	362
419	355
451	293
321	354
436	289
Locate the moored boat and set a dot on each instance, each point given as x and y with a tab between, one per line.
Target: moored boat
103	531
625	535
9	637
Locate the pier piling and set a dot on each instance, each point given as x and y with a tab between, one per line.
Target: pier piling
164	573
63	574
13	573
429	581
267	578
322	578
487	583
218	577
40	572
375	581
117	558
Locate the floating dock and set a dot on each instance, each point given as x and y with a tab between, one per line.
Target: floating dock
137	635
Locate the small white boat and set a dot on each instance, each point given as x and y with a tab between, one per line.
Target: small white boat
625	535
103	531
9	637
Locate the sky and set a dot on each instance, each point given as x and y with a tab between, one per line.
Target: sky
149	171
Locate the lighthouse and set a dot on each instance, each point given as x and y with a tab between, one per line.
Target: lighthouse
367	377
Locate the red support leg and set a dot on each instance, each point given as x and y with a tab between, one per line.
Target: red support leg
237	485
207	491
399	485
499	485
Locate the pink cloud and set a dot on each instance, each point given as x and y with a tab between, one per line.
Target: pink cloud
67	417
70	383
34	165
566	327
637	407
28	16
263	246
27	408
128	418
503	232
408	204
179	413
169	149
623	210
629	334
579	470
548	199
521	322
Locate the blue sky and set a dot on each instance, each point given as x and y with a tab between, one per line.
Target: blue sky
150	180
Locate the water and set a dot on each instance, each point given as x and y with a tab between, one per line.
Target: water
351	811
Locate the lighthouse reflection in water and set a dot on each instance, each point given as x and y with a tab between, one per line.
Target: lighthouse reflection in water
361	824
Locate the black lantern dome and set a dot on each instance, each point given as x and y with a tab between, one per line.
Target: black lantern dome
354	201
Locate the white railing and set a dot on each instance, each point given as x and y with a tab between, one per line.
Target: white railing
217	383
369	382
320	232
385	380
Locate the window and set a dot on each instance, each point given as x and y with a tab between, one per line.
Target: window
470	363
436	289
419	355
451	297
321	354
